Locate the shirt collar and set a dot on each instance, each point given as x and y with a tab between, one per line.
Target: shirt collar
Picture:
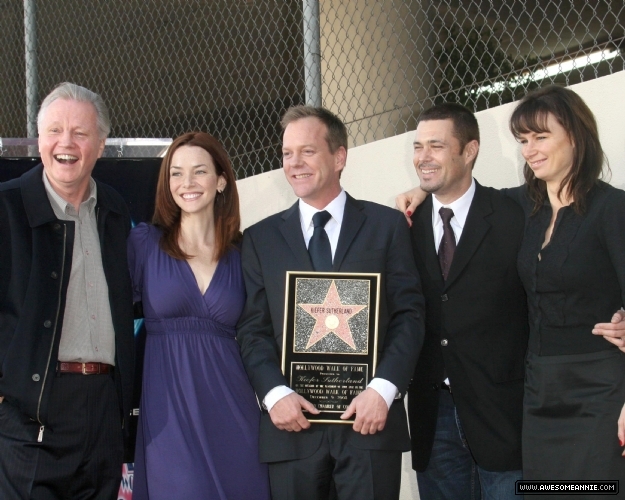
460	206
63	205
336	208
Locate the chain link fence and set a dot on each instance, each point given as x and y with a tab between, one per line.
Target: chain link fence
232	67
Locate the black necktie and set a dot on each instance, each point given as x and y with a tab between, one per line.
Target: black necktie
448	244
319	245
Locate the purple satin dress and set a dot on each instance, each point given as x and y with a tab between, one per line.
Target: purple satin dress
198	423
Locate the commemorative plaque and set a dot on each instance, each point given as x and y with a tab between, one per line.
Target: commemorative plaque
329	349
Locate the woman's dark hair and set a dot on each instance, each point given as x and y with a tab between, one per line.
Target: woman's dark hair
226	209
575	117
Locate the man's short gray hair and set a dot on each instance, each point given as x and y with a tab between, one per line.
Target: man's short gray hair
73	92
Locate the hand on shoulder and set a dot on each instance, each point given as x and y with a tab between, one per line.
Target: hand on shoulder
408	202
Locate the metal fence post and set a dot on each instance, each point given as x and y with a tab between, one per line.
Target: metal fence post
312	52
232	67
32	81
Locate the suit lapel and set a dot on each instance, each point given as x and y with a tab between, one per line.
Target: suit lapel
353	219
475	229
291	230
424	239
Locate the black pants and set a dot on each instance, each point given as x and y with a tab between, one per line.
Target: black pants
338	470
80	455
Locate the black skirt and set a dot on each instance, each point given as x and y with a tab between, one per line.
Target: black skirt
571	407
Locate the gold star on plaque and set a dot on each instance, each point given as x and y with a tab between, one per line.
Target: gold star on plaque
331	317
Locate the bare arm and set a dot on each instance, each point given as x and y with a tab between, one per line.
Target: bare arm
621	429
408	202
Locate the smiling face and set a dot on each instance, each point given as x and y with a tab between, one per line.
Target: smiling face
442	167
193	180
549	154
311	169
69	145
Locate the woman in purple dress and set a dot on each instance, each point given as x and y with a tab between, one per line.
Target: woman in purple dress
199	417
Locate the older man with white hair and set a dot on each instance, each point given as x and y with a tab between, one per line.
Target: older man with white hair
66	323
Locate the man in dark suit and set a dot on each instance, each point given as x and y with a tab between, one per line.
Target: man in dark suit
465	401
319	461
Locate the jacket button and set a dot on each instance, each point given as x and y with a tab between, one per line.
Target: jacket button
54	275
36	377
435	387
444	297
444	342
47	323
56	226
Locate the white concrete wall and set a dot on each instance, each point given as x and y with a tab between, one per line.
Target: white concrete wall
380	170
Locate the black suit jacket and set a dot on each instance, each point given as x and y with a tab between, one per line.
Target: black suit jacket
481	313
373	238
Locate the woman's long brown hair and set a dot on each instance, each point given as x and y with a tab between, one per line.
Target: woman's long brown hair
167	214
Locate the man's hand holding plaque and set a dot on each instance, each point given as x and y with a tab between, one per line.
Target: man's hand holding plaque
329	350
371	411
287	413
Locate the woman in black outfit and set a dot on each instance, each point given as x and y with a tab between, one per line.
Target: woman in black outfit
572	263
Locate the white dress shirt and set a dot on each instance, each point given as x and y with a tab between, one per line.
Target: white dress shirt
461	210
336	208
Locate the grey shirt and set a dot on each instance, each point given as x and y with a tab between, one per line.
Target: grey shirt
87	334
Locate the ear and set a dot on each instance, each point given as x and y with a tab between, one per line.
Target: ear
471	149
221	183
340	158
101	147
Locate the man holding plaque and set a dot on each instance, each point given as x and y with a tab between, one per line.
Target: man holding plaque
328	231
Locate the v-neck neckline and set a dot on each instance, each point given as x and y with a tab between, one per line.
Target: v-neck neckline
197	286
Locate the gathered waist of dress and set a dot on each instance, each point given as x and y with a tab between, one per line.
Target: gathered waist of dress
188	324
